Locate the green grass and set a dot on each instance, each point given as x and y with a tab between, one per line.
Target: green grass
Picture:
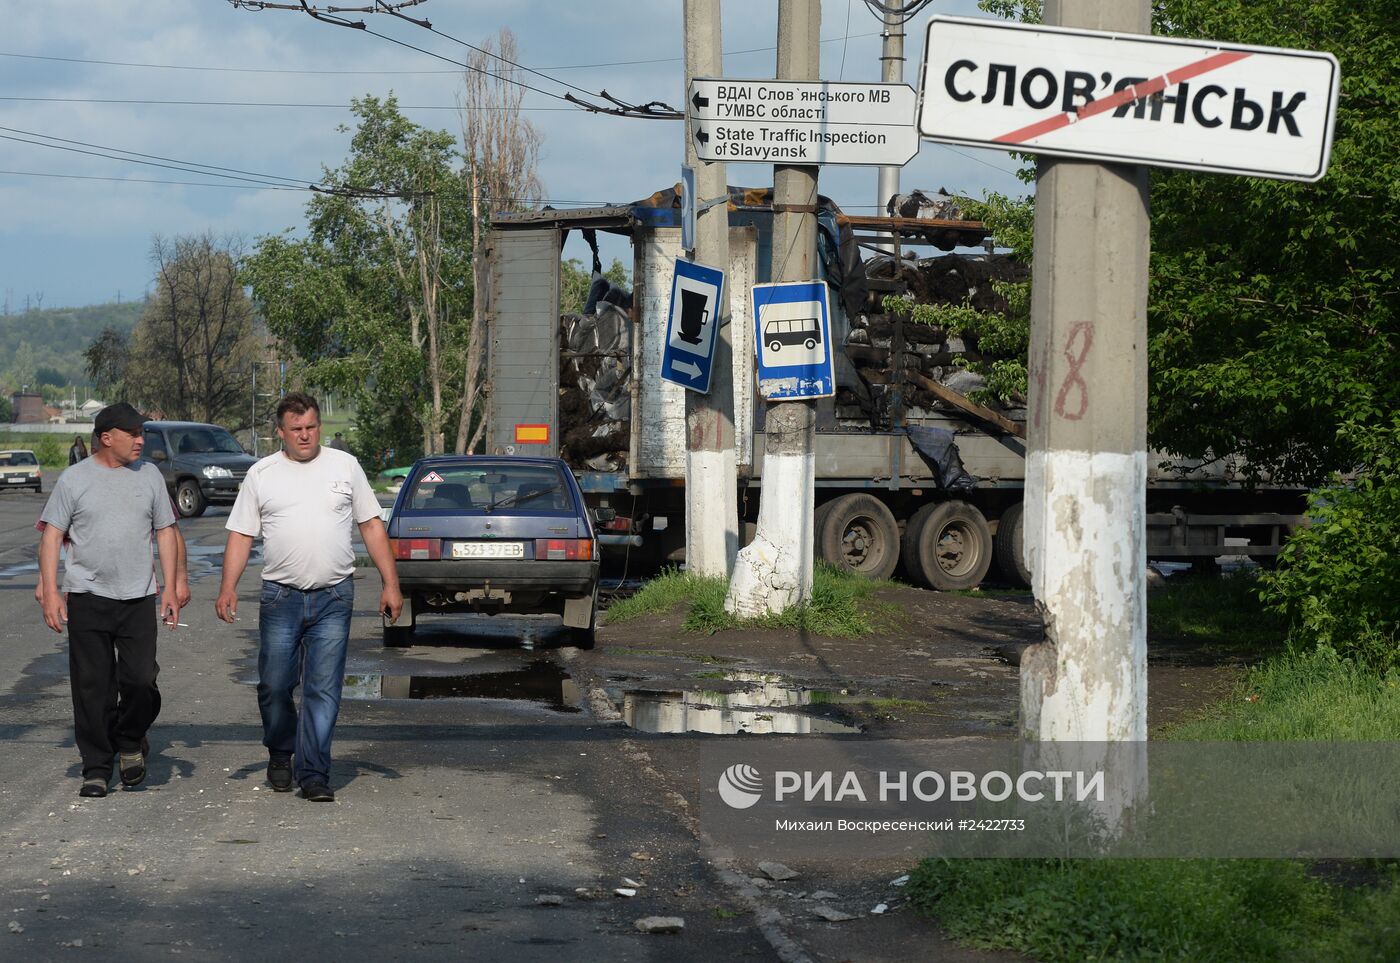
1302	696
841	606
1225	612
1196	910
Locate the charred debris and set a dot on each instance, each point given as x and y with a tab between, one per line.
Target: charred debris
891	370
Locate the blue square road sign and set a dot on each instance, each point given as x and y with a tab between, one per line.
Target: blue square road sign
792	332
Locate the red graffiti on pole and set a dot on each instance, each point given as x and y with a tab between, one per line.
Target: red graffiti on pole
1083	331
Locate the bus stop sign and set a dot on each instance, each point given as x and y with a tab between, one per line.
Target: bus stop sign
792	331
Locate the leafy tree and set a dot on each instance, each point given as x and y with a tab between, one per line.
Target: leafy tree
47	375
375	301
190	354
7	410
575	279
1272	316
107	359
1272	306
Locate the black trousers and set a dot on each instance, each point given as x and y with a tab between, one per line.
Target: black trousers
112	668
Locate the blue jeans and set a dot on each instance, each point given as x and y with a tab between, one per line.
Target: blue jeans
303	637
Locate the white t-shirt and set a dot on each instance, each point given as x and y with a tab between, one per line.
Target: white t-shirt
306	513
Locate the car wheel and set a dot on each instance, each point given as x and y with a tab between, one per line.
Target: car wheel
948	546
189	500
401	635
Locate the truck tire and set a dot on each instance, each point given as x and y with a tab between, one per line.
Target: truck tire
858	533
947	546
401	635
189	500
1007	546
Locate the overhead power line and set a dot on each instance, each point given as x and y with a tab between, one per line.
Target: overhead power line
651	110
373	73
251	103
254	187
189	167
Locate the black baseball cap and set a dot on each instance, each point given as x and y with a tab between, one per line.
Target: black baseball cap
120	415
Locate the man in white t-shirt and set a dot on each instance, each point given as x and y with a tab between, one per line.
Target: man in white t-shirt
304	502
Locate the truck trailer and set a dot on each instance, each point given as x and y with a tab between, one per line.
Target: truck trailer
909	472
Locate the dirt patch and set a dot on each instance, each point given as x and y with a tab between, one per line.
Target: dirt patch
949	666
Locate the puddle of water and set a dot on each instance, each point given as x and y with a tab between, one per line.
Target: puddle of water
540	682
23	568
202	561
766	704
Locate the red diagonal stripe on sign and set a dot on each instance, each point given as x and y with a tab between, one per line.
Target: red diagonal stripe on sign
1125	96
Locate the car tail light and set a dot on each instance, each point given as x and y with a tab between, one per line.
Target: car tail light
564	549
417	548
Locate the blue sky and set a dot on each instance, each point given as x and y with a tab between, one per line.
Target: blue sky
78	241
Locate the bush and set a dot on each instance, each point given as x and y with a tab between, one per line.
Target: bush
50	452
1338	581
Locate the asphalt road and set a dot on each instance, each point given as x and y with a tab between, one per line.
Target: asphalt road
454	815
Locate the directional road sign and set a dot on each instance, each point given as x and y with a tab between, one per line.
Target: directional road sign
689	354
797	122
792	329
1195	104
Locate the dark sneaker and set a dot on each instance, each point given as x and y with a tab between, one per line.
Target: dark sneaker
317	792
279	775
94	787
133	768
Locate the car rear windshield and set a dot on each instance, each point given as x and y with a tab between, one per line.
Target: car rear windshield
491	487
18	458
184	441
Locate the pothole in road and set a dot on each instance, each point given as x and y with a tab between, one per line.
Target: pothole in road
540	682
764	705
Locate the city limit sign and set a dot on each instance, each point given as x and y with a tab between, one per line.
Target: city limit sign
1129	98
800	122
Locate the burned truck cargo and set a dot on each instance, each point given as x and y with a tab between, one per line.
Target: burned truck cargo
912	473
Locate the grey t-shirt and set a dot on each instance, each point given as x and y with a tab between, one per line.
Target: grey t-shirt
109	515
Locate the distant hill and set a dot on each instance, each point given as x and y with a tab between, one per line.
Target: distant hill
57	337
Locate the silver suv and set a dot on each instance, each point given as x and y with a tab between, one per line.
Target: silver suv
203	464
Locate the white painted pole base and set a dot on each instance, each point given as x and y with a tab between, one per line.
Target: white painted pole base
712	513
1086	548
773	572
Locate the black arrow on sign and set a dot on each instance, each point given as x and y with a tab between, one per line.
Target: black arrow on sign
702	137
700	102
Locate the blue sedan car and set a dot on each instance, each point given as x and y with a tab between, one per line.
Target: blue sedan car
493	534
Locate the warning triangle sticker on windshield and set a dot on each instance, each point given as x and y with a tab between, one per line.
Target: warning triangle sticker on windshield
432	476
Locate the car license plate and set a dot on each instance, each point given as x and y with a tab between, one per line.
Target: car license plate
488	549
15	480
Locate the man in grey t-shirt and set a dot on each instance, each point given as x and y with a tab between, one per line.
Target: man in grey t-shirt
109	506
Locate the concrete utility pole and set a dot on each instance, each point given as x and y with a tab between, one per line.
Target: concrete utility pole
774	572
711	485
1087	466
891	72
